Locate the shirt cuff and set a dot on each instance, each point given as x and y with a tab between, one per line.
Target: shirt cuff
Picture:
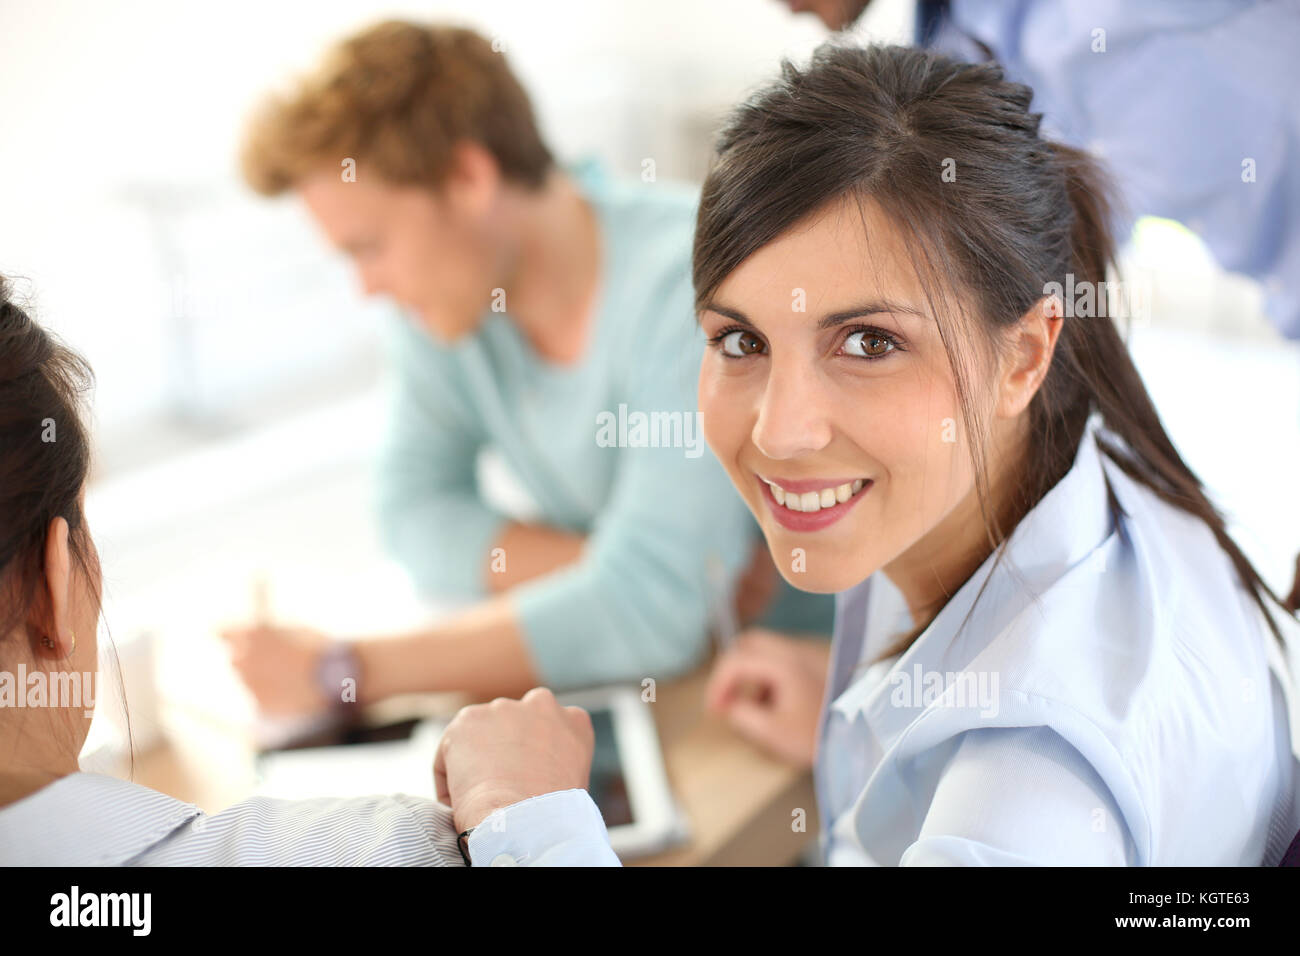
563	828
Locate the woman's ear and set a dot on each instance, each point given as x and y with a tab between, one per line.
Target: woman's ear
1031	344
57	625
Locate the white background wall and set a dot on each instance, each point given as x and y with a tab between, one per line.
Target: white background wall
121	202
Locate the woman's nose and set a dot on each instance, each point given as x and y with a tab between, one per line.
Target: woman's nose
793	418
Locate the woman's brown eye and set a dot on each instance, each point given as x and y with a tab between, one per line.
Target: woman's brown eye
741	343
867	345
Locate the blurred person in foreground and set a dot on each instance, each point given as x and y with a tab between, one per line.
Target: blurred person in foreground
51	812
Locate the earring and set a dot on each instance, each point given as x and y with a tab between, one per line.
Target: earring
49	642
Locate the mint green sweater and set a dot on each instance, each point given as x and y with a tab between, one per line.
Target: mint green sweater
636	604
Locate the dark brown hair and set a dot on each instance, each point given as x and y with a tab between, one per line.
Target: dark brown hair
396	98
44	458
882	124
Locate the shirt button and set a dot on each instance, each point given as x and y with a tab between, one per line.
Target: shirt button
504	859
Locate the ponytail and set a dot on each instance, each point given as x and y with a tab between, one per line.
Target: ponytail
1098	359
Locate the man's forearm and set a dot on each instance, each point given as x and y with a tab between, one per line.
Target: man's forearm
527	551
480	651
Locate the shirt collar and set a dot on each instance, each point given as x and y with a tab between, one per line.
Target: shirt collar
88	819
1063	529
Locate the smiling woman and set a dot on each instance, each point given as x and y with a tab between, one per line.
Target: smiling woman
953	221
902	403
894	386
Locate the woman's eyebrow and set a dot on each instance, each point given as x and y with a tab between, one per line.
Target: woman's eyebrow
831	319
868	308
732	314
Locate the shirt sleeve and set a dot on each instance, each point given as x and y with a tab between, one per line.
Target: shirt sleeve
398	830
431	515
1020	796
563	828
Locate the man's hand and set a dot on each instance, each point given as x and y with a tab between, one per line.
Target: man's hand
279	664
769	687
495	754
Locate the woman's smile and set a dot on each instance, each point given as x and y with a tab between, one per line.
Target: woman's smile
811	504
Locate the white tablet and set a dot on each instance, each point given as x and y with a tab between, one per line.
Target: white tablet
628	781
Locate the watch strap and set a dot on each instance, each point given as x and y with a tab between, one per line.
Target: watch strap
338	663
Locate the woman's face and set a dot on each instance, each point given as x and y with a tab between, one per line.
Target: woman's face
829	398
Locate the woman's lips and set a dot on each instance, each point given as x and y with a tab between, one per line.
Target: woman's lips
808	484
809	520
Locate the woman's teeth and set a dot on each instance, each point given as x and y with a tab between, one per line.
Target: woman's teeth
815	500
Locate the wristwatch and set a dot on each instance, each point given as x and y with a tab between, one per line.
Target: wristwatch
462	841
338	664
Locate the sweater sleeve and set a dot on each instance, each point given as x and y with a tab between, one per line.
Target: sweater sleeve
431	515
637	604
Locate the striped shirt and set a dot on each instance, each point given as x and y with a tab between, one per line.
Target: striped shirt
87	819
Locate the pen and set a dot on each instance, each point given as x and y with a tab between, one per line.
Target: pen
261	600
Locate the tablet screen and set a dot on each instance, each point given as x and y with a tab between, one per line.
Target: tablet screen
608	785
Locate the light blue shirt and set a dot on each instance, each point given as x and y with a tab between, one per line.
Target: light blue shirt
1182	96
636	604
1113	699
